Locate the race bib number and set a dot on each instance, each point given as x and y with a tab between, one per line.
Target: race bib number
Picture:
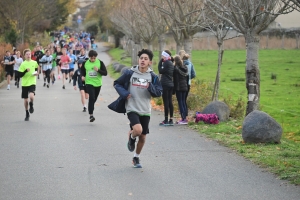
92	74
65	65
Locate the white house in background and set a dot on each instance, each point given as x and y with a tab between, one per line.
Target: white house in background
291	20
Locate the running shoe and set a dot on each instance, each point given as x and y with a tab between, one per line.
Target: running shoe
44	84
136	162
131	143
8	87
63	87
17	84
31	110
70	81
92	118
171	123
27	117
183	122
47	85
164	123
84	109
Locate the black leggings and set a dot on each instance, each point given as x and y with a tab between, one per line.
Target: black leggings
47	75
93	96
17	76
168	104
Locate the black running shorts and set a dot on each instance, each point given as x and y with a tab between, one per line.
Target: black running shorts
26	90
135	118
9	71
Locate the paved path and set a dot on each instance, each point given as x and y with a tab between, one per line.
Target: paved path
59	154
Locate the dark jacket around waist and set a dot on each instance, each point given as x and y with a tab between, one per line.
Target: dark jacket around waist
180	78
166	69
122	83
77	77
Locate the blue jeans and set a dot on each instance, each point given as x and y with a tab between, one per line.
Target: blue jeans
181	98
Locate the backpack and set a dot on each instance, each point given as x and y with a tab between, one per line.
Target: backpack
207	118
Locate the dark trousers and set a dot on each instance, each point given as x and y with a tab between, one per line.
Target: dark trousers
168	104
47	75
93	96
182	103
17	77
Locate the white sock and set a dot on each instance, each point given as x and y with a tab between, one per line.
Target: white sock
136	155
132	136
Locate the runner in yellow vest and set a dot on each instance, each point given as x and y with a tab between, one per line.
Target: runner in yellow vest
92	71
28	71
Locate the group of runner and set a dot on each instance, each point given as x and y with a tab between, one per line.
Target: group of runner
136	85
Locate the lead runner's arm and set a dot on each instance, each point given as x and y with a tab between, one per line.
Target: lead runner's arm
102	69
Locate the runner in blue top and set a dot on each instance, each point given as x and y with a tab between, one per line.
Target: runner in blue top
71	64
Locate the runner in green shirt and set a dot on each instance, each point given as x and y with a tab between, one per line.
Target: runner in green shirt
28	71
92	71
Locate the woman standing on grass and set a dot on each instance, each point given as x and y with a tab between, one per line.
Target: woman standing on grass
191	71
166	69
181	87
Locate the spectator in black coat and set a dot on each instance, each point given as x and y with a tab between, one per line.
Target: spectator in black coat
181	87
166	69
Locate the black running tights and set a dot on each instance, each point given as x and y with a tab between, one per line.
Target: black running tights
93	96
168	104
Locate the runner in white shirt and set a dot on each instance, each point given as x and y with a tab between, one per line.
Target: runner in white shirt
18	62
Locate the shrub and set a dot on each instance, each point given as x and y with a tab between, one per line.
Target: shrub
237	107
3	48
200	95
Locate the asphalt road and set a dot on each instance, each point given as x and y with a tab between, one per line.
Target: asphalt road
60	155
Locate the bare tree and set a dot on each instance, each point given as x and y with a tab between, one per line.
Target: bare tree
140	23
185	17
295	2
25	15
219	28
250	18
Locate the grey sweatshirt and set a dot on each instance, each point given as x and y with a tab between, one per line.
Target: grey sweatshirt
139	101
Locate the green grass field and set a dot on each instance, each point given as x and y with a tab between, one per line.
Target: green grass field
279	98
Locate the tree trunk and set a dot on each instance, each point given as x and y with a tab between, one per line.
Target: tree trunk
215	96
282	41
161	44
137	48
150	46
252	72
188	45
178	47
267	41
297	41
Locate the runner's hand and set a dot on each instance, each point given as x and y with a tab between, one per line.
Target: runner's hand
96	68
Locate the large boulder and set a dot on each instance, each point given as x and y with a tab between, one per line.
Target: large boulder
115	65
219	108
124	69
119	68
259	127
